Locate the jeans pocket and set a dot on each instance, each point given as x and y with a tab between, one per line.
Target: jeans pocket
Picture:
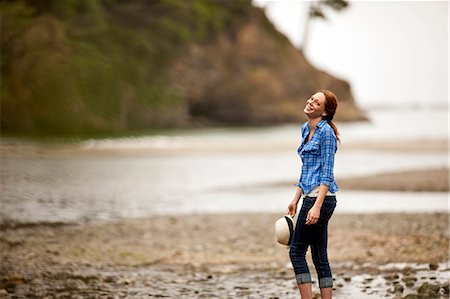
303	213
326	212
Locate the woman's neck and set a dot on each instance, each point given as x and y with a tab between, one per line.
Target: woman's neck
313	122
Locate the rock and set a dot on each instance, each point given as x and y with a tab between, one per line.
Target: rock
391	276
109	279
398	288
409	281
434	266
407	270
411	296
241	288
445	286
368	279
16	278
429	290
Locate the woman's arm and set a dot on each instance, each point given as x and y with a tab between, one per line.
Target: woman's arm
292	208
314	213
328	150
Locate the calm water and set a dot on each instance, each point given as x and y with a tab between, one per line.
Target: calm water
209	170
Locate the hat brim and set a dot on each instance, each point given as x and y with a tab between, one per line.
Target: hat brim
284	230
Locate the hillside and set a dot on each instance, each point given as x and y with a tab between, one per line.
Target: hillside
70	67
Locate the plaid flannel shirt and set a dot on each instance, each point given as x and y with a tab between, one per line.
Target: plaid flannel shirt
318	158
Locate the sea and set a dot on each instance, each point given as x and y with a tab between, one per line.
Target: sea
213	170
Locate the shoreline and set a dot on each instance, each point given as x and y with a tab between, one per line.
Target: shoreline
417	180
428	180
192	145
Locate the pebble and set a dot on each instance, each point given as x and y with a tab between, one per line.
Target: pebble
434	266
391	276
368	279
409	281
445	287
398	288
429	290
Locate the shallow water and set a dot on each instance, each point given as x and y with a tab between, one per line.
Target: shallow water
206	170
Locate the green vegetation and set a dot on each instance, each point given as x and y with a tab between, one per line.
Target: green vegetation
82	66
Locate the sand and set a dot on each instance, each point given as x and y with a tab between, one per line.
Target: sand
218	256
430	180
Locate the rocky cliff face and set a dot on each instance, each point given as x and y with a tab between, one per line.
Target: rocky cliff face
253	76
114	66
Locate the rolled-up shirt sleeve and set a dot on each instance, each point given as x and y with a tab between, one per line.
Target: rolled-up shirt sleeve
327	153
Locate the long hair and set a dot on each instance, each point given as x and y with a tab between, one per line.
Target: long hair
331	104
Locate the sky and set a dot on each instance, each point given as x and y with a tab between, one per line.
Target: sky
391	52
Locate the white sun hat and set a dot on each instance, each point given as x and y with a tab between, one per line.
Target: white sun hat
284	230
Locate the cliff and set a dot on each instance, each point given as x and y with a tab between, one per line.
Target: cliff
114	66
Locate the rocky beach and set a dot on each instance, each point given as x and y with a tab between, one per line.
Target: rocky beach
221	256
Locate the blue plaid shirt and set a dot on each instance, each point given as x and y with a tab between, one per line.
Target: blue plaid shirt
318	158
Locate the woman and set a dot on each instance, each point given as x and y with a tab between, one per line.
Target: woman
317	184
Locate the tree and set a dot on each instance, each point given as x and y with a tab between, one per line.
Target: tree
315	10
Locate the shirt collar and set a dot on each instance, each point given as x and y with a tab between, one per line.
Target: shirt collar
321	123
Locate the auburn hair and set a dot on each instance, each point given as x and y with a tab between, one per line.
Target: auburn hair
331	104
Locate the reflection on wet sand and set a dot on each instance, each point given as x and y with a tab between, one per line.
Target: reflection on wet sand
221	256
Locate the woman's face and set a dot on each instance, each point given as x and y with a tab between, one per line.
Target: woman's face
315	105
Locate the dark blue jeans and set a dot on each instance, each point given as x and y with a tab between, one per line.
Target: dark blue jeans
316	236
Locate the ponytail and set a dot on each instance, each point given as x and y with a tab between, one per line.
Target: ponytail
335	129
331	104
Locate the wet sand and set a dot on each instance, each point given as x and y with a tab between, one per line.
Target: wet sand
431	180
220	256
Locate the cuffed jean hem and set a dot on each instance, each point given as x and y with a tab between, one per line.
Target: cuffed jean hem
303	278
325	282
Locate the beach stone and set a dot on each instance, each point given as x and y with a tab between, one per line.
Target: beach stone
407	270
434	266
391	276
368	280
429	290
445	286
16	278
411	296
398	288
409	281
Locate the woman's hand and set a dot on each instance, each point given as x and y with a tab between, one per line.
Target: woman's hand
313	215
292	208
